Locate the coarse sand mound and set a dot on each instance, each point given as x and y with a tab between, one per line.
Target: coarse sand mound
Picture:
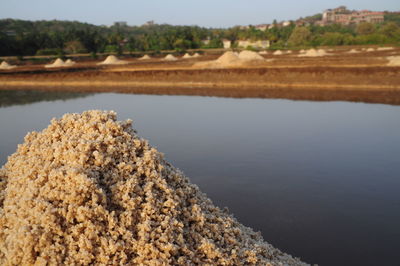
393	60
313	53
196	55
145	57
353	51
232	59
278	52
228	58
69	62
384	48
186	56
113	60
57	63
250	55
88	190
5	65
170	57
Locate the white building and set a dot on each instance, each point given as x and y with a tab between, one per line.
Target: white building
227	43
261	44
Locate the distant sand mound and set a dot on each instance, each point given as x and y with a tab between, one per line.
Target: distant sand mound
353	51
228	58
196	55
370	50
384	48
278	52
57	63
314	53
170	57
187	56
5	65
145	57
232	59
393	60
69	62
263	52
112	60
250	55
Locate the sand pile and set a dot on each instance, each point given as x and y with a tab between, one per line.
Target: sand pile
88	190
353	51
170	57
57	63
278	52
313	53
370	50
228	59
112	60
232	59
263	52
250	55
69	62
384	48
145	57
186	56
5	65
393	60
196	55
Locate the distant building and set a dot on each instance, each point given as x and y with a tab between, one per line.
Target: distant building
302	22
120	23
10	32
261	44
227	43
342	15
262	27
149	23
206	41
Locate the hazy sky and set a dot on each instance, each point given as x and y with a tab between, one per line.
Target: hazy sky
209	13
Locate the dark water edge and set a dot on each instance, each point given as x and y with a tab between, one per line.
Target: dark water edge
21	97
320	180
390	97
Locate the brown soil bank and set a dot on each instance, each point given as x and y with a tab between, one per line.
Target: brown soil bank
339	76
365	84
87	190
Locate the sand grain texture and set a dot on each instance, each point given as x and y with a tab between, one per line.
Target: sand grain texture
88	190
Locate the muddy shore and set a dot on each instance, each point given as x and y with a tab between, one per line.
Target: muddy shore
363	77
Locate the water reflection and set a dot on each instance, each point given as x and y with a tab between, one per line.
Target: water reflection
20	97
319	180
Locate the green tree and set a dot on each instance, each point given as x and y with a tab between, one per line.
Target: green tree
391	30
299	37
73	47
365	28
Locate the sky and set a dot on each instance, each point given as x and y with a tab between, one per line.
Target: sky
207	13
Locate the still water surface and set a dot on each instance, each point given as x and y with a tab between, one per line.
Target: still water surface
320	180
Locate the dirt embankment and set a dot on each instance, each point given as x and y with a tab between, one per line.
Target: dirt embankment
339	76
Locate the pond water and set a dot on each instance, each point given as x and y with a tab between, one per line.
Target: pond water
320	180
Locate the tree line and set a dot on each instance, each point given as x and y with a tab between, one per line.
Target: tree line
21	37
